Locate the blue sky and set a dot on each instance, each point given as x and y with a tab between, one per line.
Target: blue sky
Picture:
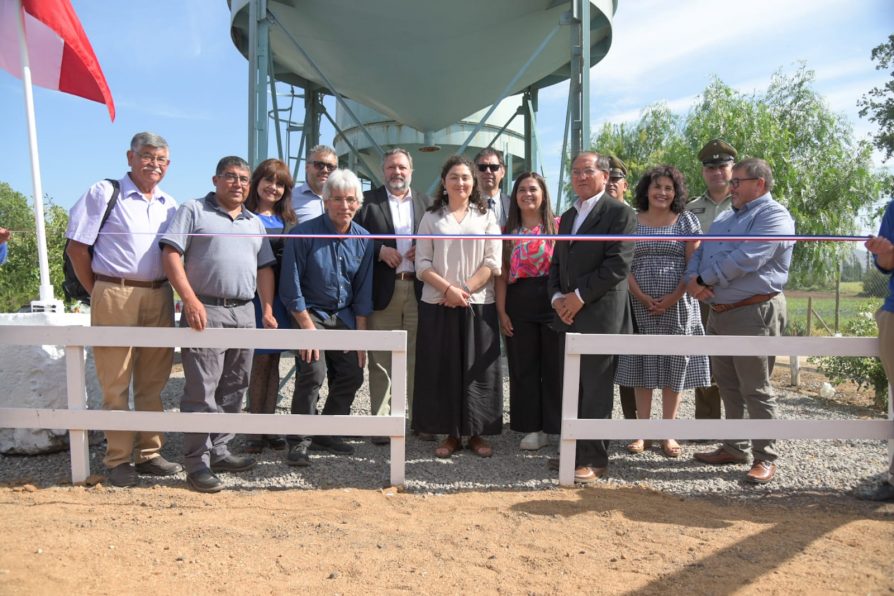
173	70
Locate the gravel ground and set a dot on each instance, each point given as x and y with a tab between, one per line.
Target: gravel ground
807	469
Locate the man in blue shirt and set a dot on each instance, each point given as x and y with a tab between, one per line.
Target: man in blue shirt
743	282
4	237
326	283
882	249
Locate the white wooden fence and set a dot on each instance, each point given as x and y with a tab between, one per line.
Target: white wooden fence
574	428
77	419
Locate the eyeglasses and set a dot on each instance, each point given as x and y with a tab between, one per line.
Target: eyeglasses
231	178
149	158
322	165
493	167
586	173
735	182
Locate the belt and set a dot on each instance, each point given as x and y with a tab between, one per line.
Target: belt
405	276
228	302
756	299
120	281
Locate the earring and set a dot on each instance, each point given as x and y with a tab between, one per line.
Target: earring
444	192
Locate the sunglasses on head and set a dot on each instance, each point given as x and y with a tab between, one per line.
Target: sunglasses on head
493	167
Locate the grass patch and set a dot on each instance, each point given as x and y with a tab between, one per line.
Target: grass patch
849	309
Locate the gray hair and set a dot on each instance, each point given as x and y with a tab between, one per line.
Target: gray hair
396	151
231	161
345	181
324	149
147	139
755	167
603	163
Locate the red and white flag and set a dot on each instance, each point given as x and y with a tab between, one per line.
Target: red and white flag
59	52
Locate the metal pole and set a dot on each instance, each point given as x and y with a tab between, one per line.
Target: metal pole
258	58
585	74
276	120
47	300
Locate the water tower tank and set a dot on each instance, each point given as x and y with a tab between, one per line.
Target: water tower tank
426	64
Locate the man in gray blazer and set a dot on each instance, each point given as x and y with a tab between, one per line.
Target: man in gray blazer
588	285
490	171
393	208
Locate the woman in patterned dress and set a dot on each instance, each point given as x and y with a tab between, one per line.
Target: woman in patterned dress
661	305
523	305
270	198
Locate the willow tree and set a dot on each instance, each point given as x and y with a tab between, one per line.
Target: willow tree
824	176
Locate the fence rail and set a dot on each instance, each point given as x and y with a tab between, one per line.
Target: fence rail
78	420
575	429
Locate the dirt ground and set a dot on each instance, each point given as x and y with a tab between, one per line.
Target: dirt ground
591	540
606	539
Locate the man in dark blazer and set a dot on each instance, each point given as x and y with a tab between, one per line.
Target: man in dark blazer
588	285
393	208
490	171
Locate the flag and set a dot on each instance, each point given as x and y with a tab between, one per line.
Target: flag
58	49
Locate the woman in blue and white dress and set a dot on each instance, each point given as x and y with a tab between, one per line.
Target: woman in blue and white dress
661	305
270	198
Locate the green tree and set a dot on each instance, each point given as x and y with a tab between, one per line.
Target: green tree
878	103
823	175
20	276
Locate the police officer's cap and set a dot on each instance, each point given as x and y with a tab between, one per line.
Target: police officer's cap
617	168
717	152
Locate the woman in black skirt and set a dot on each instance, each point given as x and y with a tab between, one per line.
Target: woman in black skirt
459	390
523	306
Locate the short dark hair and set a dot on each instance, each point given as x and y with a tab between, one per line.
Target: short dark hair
490	151
641	192
231	161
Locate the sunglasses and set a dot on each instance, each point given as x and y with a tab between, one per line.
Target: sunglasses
321	165
493	167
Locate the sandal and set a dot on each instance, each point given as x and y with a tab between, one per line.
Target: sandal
671	448
638	446
480	447
447	447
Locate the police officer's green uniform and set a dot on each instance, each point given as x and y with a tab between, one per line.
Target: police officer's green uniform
715	152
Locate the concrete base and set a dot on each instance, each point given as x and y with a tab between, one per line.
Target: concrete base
34	377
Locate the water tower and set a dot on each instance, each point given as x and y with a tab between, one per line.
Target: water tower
420	73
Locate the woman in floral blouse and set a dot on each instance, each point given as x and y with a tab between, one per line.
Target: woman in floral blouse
523	305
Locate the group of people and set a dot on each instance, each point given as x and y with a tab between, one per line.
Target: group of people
454	297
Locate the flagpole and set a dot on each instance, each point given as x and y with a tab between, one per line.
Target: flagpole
47	300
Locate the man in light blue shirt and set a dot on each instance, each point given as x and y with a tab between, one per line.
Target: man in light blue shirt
743	282
307	199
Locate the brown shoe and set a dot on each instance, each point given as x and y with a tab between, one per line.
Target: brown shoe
480	447
719	456
447	447
587	474
761	472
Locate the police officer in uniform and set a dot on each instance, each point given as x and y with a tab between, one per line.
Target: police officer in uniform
617	188
717	158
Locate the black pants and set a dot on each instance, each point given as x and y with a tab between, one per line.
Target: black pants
342	371
535	385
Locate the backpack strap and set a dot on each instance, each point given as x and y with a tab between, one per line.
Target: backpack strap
116	190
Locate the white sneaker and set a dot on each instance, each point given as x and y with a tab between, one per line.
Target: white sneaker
534	441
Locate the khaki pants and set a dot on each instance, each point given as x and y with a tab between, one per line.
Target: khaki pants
401	313
707	399
147	368
885	320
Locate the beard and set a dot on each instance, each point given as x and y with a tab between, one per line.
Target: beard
397	184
